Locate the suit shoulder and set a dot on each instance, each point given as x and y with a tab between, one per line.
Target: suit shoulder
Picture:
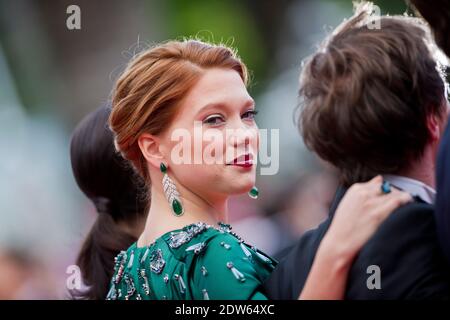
415	218
406	251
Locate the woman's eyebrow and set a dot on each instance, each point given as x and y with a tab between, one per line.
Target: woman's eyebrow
250	103
212	105
221	105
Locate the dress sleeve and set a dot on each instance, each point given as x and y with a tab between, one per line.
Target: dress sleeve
224	271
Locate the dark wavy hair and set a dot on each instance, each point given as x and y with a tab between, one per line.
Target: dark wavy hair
438	17
367	93
117	193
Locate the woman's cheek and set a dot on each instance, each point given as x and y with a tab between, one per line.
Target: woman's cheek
257	140
213	147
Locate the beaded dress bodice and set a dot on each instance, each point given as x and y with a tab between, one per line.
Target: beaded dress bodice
197	262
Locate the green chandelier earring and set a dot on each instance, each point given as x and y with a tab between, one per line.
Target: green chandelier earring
171	192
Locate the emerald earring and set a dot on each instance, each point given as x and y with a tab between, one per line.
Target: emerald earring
171	192
253	193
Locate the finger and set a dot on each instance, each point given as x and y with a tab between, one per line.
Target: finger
395	194
399	193
369	189
375	180
374	185
393	201
371	183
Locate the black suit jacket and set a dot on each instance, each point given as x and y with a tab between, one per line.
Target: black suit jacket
405	248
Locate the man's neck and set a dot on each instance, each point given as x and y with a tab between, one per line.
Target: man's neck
422	170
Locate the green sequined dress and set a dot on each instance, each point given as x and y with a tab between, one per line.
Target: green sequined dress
198	262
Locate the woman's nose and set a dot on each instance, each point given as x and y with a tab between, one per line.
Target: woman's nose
241	137
242	140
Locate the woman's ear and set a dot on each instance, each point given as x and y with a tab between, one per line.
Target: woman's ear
150	148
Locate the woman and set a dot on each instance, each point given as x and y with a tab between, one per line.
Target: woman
198	90
105	178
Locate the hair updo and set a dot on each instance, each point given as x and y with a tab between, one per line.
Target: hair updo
147	93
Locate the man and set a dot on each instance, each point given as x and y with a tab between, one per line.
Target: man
373	102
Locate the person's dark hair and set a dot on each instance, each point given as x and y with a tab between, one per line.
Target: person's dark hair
438	17
366	95
117	193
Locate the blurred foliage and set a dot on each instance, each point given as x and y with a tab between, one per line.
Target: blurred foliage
217	21
34	40
387	6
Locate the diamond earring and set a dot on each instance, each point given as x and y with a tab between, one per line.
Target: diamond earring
171	192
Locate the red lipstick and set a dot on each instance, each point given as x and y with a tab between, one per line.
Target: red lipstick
245	161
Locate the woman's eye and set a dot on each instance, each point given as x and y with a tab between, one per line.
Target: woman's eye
250	114
213	120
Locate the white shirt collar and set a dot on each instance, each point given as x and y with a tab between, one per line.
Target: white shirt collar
413	187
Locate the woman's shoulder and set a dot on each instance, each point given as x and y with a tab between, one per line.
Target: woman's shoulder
224	266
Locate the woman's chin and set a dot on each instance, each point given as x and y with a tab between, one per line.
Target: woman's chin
242	188
238	182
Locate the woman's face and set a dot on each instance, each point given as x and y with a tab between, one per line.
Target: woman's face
211	146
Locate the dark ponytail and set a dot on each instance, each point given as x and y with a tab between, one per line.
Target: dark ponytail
96	258
119	197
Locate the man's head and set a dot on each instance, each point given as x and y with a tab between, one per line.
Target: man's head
373	98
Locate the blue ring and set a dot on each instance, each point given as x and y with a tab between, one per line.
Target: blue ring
386	187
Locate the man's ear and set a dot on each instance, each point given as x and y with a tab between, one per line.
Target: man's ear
434	124
150	148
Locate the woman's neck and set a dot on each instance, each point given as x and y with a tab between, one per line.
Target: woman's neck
161	219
